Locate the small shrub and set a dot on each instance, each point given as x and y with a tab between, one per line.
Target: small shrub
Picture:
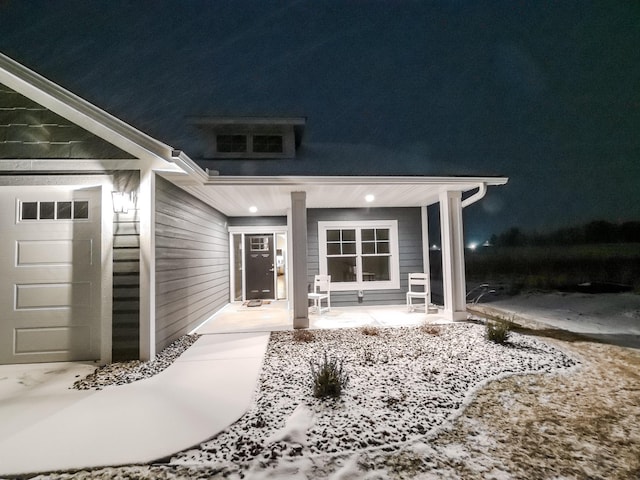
302	335
370	330
369	357
498	331
328	377
429	329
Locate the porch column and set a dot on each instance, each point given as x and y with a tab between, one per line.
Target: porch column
299	259
426	267
453	275
147	212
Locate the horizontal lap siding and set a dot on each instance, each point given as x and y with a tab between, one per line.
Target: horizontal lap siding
126	276
409	249
192	262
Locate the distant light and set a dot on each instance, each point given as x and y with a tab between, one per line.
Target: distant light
369	198
253	209
473	246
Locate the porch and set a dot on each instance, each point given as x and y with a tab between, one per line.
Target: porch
276	316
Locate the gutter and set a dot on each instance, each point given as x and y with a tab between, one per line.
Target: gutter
482	191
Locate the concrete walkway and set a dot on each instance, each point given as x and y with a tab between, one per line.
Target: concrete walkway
46	426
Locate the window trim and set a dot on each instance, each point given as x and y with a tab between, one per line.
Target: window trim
394	266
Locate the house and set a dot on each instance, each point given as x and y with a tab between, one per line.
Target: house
113	243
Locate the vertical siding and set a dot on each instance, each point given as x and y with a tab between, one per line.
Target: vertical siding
409	247
126	276
192	262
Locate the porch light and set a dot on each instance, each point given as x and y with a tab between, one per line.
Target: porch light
253	209
123	201
369	198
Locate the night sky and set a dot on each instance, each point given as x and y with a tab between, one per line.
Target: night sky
546	93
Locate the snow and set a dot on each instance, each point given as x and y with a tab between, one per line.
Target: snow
404	385
481	414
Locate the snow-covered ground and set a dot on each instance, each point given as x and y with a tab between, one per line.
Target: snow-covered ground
444	405
610	317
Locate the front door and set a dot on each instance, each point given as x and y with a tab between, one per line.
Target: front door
260	266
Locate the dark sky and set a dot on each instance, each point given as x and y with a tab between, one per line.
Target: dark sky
546	93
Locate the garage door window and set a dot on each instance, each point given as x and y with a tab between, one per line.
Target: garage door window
76	210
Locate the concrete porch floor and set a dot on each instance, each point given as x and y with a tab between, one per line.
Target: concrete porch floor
275	316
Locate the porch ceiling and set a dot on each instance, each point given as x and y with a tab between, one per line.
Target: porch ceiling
272	195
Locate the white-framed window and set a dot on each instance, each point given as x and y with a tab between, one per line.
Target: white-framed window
360	255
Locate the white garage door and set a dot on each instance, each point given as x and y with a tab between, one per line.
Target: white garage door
50	274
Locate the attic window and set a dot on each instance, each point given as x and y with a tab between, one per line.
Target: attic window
267	143
231	143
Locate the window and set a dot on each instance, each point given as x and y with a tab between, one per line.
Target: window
259	244
360	255
240	145
231	143
76	210
267	143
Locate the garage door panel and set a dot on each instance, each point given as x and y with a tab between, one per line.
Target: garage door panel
53	295
50	287
54	252
71	341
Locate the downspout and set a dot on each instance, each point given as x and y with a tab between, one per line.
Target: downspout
482	190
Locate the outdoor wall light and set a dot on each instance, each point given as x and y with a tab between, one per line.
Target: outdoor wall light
123	201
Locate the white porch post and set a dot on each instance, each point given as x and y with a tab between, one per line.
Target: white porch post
453	275
146	210
299	259
426	267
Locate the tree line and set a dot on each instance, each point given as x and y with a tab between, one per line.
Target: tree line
598	231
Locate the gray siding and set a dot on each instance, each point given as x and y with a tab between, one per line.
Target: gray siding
257	221
409	246
29	130
192	262
126	276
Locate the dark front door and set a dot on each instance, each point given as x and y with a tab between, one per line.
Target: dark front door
259	263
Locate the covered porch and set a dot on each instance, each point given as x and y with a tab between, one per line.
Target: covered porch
276	316
292	198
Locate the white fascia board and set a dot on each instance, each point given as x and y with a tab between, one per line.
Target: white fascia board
456	183
82	113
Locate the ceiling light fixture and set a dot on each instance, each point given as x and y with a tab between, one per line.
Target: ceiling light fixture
253	209
369	198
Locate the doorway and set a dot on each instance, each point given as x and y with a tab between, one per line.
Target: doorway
258	264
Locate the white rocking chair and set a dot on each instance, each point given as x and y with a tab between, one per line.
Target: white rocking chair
418	288
321	291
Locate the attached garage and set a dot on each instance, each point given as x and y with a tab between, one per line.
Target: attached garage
50	287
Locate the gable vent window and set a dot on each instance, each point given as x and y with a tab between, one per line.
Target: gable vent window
231	143
267	143
77	210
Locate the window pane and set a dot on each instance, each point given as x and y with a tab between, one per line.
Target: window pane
368	248
348	235
267	143
342	269
81	209
383	247
29	211
348	248
333	235
47	210
231	143
368	235
333	249
382	234
375	269
63	210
